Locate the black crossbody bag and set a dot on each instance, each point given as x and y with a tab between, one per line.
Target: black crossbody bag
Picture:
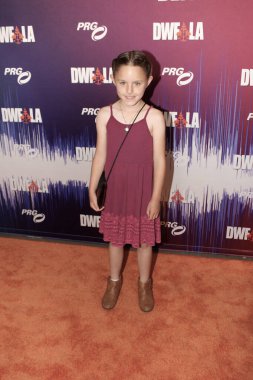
102	183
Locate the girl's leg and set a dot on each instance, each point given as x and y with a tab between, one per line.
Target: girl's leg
144	255
145	293
114	281
116	255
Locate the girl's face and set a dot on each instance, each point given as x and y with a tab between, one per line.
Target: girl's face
131	83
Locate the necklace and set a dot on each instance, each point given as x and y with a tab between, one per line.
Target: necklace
127	127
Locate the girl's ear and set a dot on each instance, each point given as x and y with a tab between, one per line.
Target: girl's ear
150	80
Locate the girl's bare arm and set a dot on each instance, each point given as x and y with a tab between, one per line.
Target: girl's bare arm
158	132
99	159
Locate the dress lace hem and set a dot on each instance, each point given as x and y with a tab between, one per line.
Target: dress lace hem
121	230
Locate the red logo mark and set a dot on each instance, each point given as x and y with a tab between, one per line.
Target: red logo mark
180	122
33	187
183	33
26	118
250	236
177	197
17	36
98	77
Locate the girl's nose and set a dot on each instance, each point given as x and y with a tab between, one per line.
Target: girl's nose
129	88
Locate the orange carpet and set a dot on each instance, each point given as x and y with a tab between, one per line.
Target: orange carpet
52	326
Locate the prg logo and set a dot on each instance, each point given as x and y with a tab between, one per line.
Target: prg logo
90	111
183	77
246	194
179	159
25	150
176	230
23	77
97	32
37	218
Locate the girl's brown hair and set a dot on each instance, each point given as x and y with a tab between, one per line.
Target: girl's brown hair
134	58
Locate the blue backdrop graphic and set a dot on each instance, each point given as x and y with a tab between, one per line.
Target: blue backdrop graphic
55	75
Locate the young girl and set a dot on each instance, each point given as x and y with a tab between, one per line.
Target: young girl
131	211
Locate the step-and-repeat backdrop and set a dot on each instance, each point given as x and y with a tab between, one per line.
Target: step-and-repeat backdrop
55	75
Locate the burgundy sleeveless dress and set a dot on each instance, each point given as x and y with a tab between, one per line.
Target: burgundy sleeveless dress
124	219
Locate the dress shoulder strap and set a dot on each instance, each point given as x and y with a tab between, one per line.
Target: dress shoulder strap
149	108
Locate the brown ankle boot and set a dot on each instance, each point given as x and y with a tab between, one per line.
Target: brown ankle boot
111	295
145	293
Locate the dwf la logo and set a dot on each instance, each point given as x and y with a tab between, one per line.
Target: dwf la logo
17	35
25	115
89	221
169	31
238	233
176	230
25	150
37	217
183	79
84	153
23	76
180	197
90	111
247	77
28	184
98	32
242	162
90	75
175	120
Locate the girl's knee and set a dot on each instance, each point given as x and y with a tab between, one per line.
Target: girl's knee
145	246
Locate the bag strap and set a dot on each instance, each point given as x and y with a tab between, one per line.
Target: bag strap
130	127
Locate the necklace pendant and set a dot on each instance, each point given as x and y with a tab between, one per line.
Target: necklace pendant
126	129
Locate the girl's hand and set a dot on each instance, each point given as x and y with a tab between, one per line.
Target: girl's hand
153	209
94	202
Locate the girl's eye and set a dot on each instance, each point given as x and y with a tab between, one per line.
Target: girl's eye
122	83
137	83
